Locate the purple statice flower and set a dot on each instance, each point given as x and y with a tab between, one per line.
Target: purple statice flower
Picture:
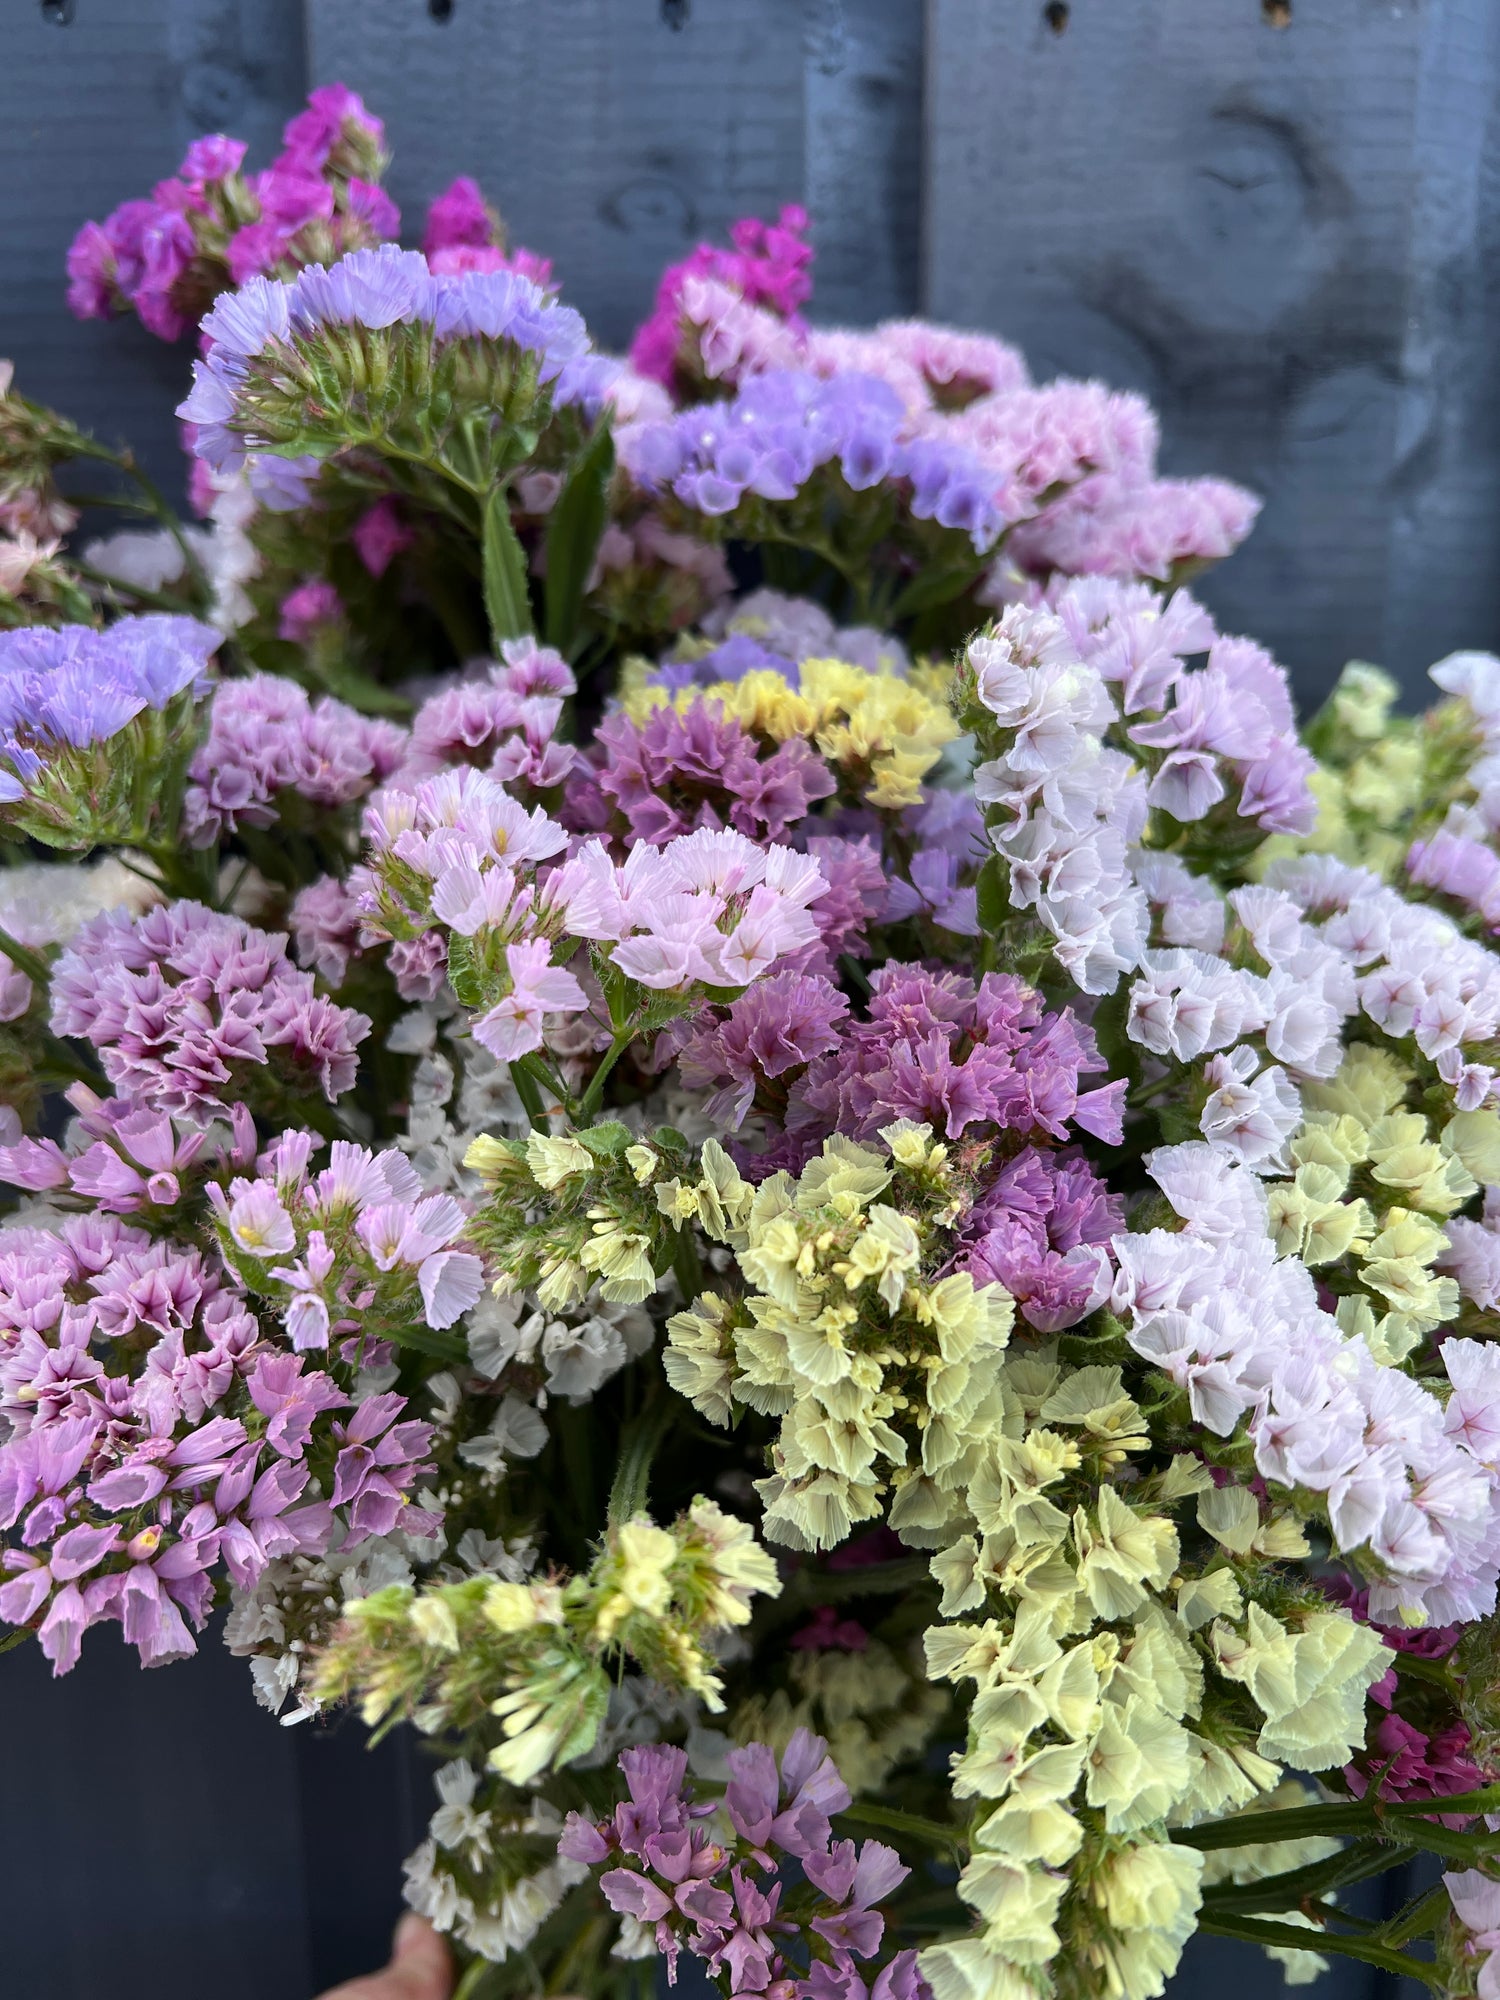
771	1032
354	1248
1040	1229
373	207
185	1005
69	687
721	1898
140	1162
380	535
313	607
507	723
681	769
106	261
939	1049
1457	864
325	924
730	660
265	737
154	1434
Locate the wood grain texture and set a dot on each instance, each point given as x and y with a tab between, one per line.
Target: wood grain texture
93	112
1281	237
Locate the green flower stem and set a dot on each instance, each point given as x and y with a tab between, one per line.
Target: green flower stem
1422	1914
153	501
1254	1930
1286	1891
931	1833
639	1444
593	1097
529	1093
24	959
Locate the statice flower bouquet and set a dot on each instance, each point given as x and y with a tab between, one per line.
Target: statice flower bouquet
698	1092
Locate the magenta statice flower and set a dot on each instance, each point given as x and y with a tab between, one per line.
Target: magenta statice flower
312	607
768	266
460	215
187	1007
506	723
380	535
1041	1228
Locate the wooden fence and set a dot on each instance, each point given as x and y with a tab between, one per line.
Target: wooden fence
1279	219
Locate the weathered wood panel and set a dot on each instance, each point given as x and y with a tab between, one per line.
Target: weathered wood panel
631	129
1286	238
98	100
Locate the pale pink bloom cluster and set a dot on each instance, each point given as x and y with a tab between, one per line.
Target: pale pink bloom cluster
711	908
1411	1491
505	722
353	1248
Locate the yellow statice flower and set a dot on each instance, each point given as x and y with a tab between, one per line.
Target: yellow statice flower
882	732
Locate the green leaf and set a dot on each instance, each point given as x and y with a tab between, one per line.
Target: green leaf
607	1140
462	976
573	530
933	587
990	890
505	599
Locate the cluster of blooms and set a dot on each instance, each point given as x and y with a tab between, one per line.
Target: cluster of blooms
656	1596
154	1434
212	225
276	344
92	724
723	1898
921	1051
185	1005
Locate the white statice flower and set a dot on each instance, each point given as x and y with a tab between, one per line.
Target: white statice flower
511	1560
150	559
517	1430
230	560
455	1824
581	1355
500	1331
1250	1112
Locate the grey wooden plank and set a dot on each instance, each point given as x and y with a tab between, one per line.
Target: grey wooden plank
612	140
862	94
1284	238
93	111
628	130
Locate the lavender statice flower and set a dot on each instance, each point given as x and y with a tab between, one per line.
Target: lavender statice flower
354	1248
127	1159
191	1010
267	738
92	723
156	1434
718	1891
269	328
764	1039
783	427
506	723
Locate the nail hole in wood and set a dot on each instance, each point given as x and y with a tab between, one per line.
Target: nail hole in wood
440	10
1276	13
1055	14
58	12
674	14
